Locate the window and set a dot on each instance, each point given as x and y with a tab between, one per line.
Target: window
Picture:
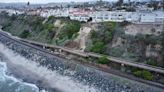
106	18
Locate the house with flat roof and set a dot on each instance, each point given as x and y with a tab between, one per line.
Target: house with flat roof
147	17
100	16
120	16
117	16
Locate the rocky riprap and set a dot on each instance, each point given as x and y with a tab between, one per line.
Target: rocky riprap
88	76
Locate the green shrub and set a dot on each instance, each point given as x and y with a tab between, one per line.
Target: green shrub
138	73
48	26
69	30
93	34
103	60
25	34
13	17
51	33
72	28
109	25
147	75
152	62
107	37
102	37
143	74
98	47
51	19
148	39
117	52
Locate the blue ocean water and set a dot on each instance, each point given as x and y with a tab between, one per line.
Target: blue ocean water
11	84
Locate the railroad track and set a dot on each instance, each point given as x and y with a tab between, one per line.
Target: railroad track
95	66
112	59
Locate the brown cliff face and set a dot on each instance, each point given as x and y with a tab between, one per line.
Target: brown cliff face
142	46
140	43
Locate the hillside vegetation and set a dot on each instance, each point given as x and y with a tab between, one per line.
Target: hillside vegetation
40	29
108	38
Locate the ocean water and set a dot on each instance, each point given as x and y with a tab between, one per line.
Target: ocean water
11	84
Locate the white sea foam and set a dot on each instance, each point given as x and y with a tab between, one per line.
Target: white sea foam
4	77
54	79
2	71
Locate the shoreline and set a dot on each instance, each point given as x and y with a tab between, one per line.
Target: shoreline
79	75
23	75
28	77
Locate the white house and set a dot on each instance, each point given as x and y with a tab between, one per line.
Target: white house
133	17
147	18
159	16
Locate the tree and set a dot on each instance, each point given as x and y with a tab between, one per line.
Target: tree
119	2
25	34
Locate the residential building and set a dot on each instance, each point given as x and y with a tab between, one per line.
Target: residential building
80	15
